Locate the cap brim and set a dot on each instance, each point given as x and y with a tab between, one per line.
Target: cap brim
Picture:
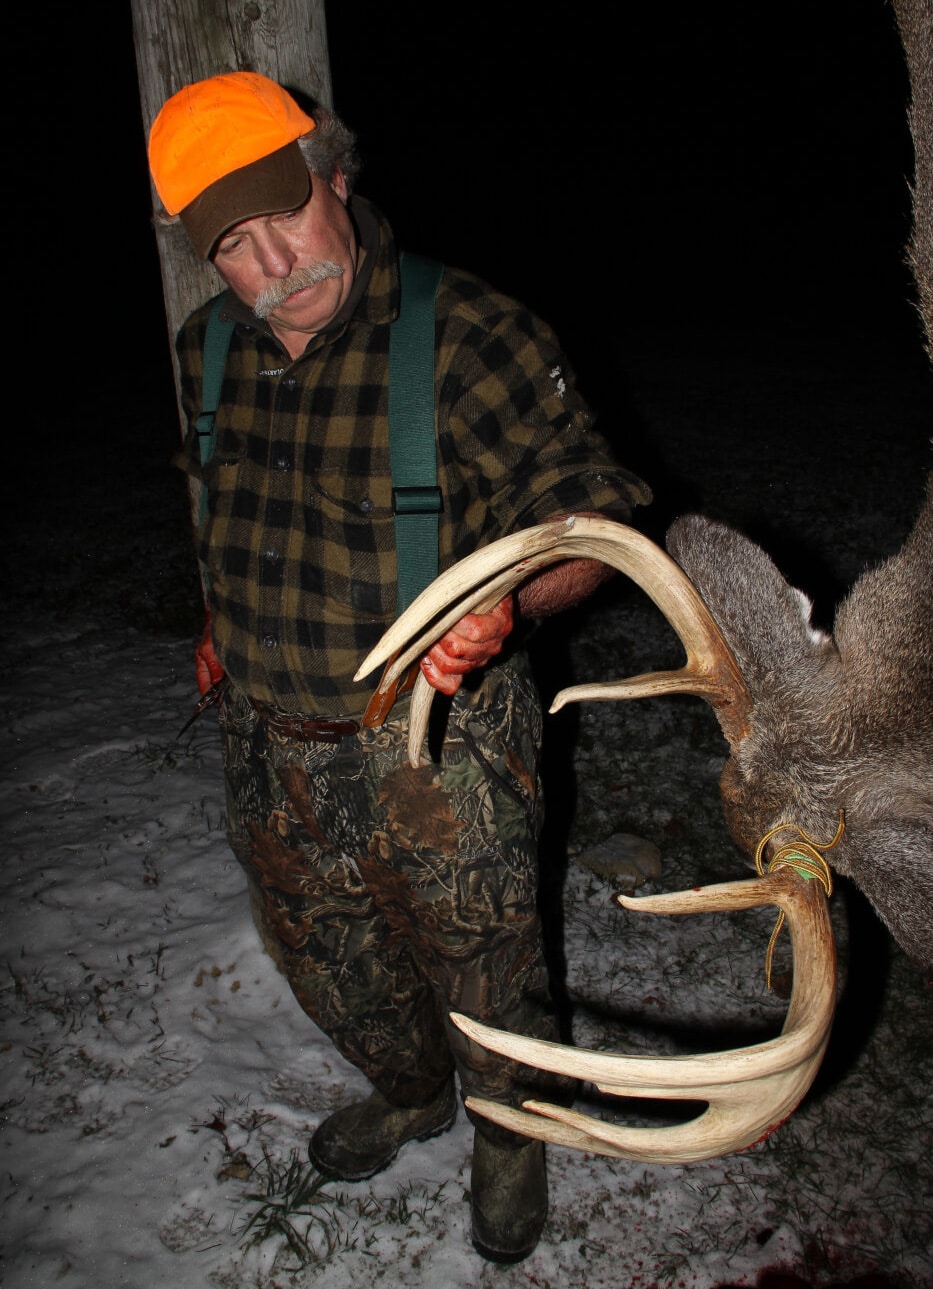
272	184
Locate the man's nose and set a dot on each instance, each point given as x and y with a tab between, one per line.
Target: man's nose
274	254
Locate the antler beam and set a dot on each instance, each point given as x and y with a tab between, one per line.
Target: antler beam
482	579
749	1091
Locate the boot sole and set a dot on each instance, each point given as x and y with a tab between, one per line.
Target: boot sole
502	1256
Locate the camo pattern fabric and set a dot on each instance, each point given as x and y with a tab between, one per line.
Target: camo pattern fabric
395	895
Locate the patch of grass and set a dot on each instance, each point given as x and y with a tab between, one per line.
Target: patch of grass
291	1207
411	1203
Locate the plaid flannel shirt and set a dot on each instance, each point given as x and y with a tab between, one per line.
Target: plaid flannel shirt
299	537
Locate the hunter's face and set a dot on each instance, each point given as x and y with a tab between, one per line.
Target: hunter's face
295	269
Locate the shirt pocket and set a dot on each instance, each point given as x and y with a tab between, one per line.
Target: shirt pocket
223	478
351	524
221	471
229	448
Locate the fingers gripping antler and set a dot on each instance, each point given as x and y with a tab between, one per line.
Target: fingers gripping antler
749	1091
482	579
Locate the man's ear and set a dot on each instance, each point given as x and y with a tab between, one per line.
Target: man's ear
339	184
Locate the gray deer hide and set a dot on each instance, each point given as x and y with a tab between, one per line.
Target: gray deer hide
838	723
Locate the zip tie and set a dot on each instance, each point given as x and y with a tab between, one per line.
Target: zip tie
807	860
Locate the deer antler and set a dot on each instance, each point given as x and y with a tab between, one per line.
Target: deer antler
482	579
750	1091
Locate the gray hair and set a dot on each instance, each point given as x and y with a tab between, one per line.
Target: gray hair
330	145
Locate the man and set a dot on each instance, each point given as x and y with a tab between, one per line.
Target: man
394	895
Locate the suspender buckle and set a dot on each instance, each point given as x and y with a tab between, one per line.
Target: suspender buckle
417	501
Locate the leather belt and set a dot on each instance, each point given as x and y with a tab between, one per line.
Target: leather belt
320	729
308	729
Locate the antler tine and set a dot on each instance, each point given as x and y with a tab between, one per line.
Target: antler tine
484	577
749	1091
710	671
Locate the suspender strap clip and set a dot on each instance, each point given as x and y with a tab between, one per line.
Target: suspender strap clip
417	501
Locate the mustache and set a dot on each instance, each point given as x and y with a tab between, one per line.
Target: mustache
278	292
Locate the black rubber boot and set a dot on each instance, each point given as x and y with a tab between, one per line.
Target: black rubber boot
509	1197
362	1139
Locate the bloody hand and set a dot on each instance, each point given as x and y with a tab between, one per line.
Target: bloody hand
469	643
209	670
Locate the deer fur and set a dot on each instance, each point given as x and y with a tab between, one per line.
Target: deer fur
840	723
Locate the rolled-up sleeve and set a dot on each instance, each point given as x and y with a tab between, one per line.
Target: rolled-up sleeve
516	439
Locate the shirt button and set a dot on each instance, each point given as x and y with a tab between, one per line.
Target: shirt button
271	556
289	382
269	641
283	463
366	505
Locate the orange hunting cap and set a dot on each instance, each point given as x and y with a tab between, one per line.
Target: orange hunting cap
223	149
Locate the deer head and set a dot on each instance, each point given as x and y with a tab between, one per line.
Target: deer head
841	722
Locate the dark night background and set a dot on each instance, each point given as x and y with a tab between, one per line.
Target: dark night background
680	167
682	179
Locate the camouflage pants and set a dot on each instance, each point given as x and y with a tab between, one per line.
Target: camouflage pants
397	895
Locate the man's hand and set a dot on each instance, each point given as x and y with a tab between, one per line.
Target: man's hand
209	670
469	643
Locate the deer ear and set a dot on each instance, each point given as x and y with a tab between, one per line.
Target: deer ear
765	620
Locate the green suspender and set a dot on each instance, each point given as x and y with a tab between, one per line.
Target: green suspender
216	344
416	498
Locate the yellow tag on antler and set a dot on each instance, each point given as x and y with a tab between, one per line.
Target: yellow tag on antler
806	857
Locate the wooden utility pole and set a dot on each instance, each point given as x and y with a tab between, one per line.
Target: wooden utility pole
180	41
